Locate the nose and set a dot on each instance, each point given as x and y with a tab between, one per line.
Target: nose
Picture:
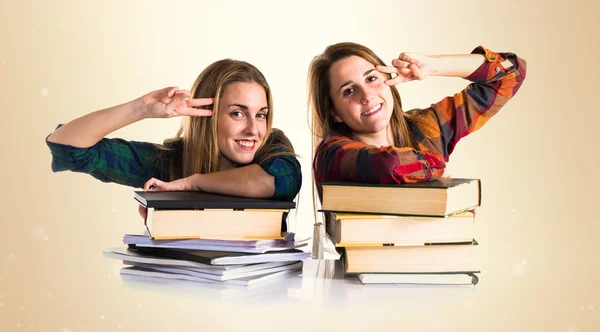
251	127
367	96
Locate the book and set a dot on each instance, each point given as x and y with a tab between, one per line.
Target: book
247	281
257	269
218	274
223	258
420	278
434	258
195	214
435	198
360	229
245	246
135	256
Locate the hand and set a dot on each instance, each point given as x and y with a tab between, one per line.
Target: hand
143	212
408	67
171	102
184	184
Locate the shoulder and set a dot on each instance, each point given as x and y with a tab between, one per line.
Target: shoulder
277	136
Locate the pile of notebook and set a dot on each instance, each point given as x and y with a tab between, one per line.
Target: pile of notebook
419	233
211	238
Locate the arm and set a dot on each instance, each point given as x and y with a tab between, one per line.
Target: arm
112	160
496	79
79	145
339	158
87	130
278	176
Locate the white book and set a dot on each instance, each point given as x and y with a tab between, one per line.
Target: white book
217	274
416	278
135	257
244	246
248	281
229	276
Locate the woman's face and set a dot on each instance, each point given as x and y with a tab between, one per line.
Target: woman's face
242	123
360	97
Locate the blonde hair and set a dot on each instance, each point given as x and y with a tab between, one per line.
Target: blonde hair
197	137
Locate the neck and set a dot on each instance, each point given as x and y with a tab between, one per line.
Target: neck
383	137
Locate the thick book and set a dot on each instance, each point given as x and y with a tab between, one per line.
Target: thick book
435	198
360	229
420	278
433	258
194	214
246	246
224	258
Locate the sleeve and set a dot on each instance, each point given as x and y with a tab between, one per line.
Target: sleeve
285	169
339	158
110	160
465	112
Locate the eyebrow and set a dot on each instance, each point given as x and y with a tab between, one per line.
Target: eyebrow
245	108
350	82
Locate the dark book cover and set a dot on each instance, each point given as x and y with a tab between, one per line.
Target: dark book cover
209	257
203	200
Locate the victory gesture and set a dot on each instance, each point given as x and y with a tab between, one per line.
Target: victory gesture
171	102
408	67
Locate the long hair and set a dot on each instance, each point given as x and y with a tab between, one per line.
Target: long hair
321	104
197	137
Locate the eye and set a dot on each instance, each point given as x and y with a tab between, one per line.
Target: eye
261	116
372	78
348	91
237	114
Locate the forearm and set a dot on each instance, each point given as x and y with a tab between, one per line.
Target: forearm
247	181
459	65
342	159
87	130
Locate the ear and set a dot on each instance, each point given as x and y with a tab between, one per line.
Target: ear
335	117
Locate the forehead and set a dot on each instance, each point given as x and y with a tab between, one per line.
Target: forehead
350	68
246	93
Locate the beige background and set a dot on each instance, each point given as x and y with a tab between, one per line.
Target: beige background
537	159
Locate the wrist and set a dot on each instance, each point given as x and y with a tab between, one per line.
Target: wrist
137	111
436	65
195	182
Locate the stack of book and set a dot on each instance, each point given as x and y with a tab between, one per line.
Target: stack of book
408	233
211	238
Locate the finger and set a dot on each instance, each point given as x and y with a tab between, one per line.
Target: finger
416	71
185	93
200	102
404	75
152	184
400	63
194	112
387	69
406	57
171	91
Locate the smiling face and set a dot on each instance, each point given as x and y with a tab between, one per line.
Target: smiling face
360	97
242	123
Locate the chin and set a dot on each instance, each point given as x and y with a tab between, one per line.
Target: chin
243	160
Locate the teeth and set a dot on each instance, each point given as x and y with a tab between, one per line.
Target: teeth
372	109
246	144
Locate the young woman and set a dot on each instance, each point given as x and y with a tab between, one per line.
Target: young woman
231	149
364	135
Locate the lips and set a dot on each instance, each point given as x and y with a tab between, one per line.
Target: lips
372	110
247	145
